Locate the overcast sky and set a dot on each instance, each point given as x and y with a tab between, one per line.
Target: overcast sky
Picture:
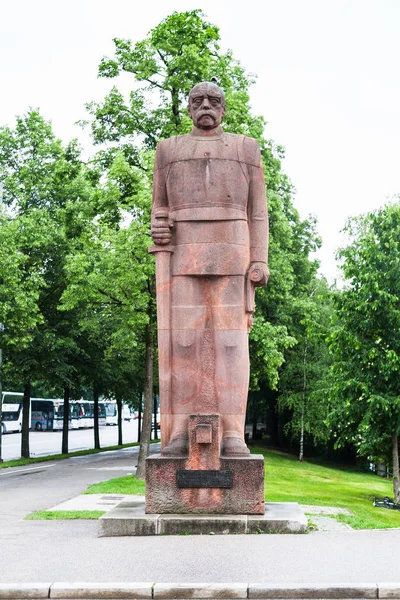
328	84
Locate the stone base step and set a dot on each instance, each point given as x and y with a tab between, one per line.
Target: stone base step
129	518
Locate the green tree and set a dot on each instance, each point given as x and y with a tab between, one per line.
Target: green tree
304	383
110	283
365	340
39	179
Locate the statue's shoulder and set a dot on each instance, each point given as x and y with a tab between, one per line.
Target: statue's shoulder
247	147
167	148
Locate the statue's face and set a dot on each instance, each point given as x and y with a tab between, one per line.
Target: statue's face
206	107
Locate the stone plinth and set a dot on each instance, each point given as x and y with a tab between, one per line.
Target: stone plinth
246	496
129	519
204	481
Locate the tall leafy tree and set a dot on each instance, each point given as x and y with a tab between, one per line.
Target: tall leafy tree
39	178
365	340
304	383
110	283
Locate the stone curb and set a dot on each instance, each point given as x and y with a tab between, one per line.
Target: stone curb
201	591
24	590
311	591
101	590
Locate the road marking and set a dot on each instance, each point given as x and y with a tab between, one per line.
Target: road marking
12	471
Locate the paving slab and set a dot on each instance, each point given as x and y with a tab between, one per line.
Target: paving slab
324	510
91	502
325	523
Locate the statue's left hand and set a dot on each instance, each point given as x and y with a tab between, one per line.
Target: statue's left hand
258	274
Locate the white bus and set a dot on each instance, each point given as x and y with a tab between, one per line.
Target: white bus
42	412
59	416
86	414
11	420
111	409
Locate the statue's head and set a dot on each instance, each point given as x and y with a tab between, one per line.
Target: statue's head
206	105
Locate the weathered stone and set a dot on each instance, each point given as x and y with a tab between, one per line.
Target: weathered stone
246	496
311	591
101	591
200	590
203	434
389	590
285	518
210	230
128	518
24	590
279	517
202	524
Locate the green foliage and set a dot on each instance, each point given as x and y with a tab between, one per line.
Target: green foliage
39	179
20	284
304	384
365	338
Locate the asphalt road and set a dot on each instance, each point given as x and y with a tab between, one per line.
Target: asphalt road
71	551
49	442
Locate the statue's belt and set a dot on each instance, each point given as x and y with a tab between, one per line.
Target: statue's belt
209	212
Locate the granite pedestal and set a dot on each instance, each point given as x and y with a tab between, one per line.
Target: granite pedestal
204	481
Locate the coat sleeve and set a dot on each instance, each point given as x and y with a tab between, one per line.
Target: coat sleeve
160	199
257	205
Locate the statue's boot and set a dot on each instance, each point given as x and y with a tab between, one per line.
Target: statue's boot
178	447
234	446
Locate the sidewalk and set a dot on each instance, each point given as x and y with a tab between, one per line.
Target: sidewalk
72	551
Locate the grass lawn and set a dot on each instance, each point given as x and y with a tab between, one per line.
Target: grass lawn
52	515
288	480
118	485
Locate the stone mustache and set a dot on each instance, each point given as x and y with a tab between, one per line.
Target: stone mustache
210	230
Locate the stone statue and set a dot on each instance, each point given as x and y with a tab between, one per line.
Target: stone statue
210	230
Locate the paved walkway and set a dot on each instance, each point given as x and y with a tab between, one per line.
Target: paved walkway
72	551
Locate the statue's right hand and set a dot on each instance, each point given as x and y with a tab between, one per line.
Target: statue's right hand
161	232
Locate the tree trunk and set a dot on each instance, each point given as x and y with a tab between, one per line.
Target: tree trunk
96	418
395	454
26	421
148	404
64	444
119	417
303	402
139	423
301	452
155	417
